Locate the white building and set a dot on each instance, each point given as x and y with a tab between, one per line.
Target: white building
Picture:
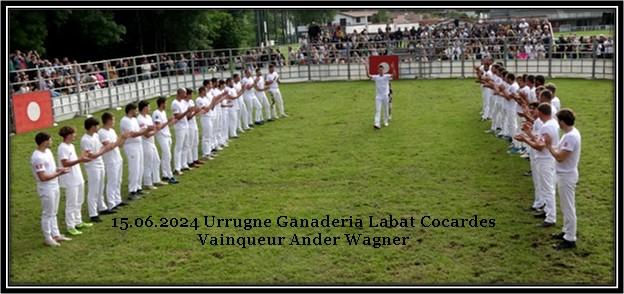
353	18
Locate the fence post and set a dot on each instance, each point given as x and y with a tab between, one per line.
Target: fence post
505	51
136	78
550	53
348	63
594	47
309	57
159	74
231	63
108	85
461	47
193	69
77	69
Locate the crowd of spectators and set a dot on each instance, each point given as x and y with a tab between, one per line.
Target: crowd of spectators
449	40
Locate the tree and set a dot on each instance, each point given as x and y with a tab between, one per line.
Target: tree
382	16
306	17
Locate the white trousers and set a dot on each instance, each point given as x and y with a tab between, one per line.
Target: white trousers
497	112
134	155
509	124
95	196
254	107
217	124
566	184
151	161
545	168
485	109
179	156
381	104
74	197
244	114
537	200
279	102
206	140
165	149
192	145
49	207
225	126
264	101
114	173
233	116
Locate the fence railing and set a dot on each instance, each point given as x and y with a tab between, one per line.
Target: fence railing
79	89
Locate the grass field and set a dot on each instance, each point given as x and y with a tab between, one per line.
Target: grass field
434	159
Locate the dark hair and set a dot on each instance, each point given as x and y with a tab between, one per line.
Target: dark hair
189	91
567	116
511	76
206	82
228	80
66	131
214	81
545	108
271	65
221	82
41	137
90	122
142	105
539	79
201	89
130	107
258	70
531	78
533	105
235	75
161	100
106	117
547	94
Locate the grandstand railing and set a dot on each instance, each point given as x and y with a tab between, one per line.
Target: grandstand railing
76	89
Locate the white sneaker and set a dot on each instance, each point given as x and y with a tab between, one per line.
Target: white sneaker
51	242
61	238
386	124
284	115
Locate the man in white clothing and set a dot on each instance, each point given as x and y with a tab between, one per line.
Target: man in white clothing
45	173
382	81
180	110
567	154
259	87
544	163
151	159
133	148
72	182
159	116
192	156
90	143
253	104
113	162
272	81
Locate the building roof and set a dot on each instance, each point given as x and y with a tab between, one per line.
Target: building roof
358	13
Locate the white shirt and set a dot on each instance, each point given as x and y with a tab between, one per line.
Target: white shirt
232	92
201	102
532	95
44	162
382	84
272	77
74	176
512	89
145	121
551	127
260	85
192	122
93	145
110	136
247	82
556	103
180	107
571	141
160	116
130	125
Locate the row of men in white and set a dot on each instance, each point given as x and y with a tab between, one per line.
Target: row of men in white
523	108
221	115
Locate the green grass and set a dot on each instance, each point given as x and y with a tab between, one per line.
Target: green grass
607	33
434	159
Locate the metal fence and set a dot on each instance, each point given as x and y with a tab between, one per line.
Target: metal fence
79	89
